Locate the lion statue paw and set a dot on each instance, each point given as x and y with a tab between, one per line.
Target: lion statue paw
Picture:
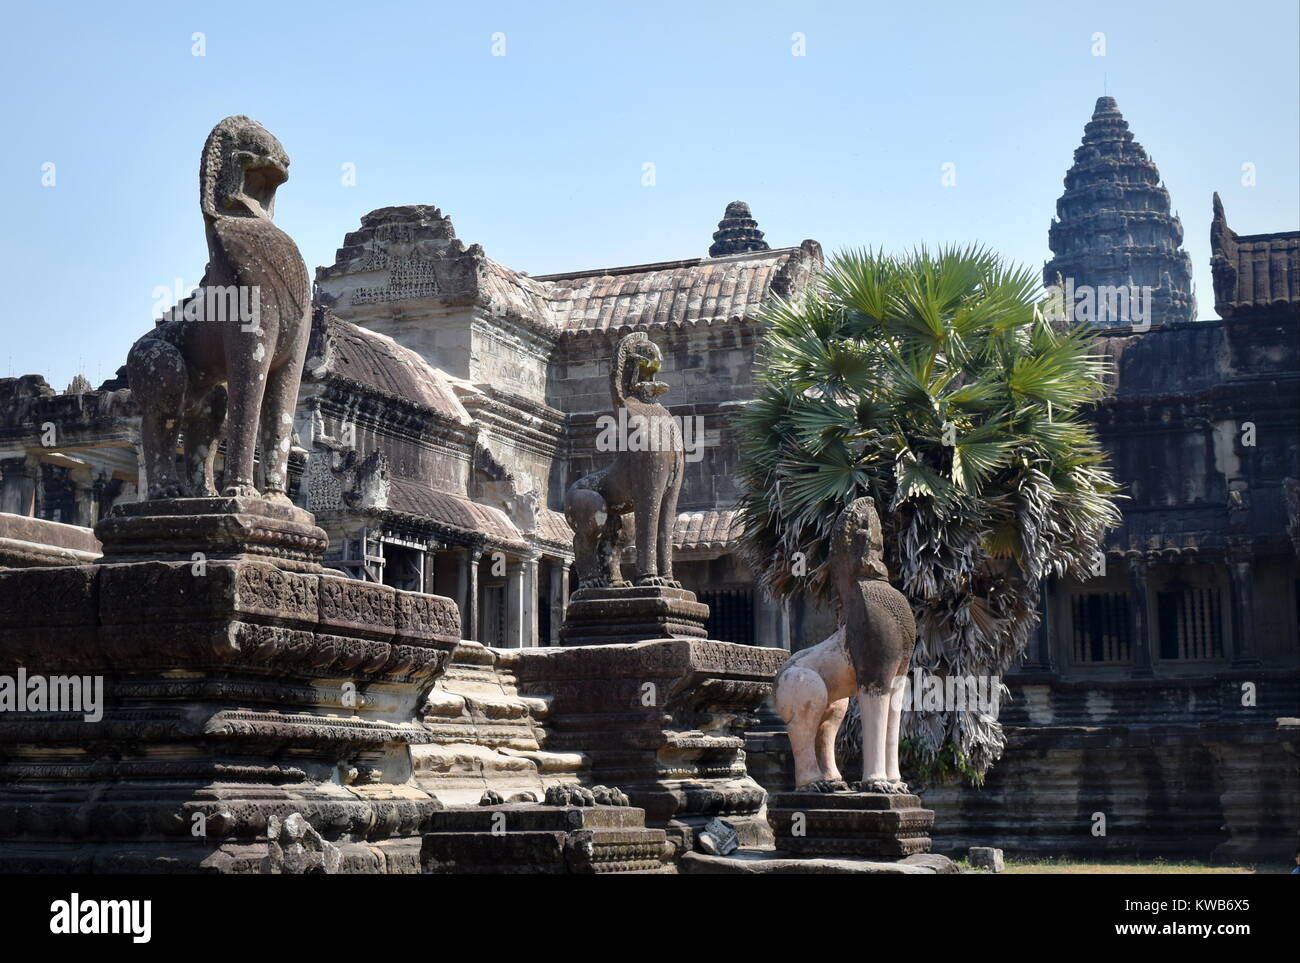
825	785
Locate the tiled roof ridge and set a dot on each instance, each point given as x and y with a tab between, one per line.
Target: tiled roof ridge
411	253
768	254
402	362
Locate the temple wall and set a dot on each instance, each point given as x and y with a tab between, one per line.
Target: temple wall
509	358
1223	786
440	334
530	469
1276	625
1224	793
431	461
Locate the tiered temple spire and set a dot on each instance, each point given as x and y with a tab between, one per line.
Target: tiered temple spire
1113	228
737	232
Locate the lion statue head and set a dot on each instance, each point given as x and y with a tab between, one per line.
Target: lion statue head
857	544
241	167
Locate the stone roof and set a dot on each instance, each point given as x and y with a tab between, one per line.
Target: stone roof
553	527
411	254
675	293
376	361
713	531
1252	271
452	511
699	535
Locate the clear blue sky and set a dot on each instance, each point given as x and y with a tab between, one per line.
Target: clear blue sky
538	155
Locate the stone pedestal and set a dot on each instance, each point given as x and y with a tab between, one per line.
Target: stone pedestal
527	838
253	717
664	721
852	824
218	528
602	616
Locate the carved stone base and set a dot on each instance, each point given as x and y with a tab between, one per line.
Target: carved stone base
525	838
252	719
664	721
224	528
849	824
602	616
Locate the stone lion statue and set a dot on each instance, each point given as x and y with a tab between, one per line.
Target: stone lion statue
868	656
236	346
644	478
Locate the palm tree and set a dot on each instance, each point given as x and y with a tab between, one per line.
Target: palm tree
933	383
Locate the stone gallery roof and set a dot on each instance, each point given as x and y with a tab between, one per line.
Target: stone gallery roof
693	532
674	293
553	527
699	535
453	511
713	531
1252	271
376	361
412	254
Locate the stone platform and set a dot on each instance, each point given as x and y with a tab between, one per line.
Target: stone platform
852	824
253	718
758	862
222	527
662	720
604	616
539	839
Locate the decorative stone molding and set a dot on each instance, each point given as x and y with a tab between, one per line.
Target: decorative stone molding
272	709
664	721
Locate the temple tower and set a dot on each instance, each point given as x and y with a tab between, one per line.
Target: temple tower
1113	228
737	232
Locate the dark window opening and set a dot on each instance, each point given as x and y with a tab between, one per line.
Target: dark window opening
1190	623
403	568
731	614
1102	628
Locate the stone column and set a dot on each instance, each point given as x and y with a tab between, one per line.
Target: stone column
83	498
430	568
559	597
768	621
18	486
38	486
529	590
1241	567
467	592
1140	615
516	592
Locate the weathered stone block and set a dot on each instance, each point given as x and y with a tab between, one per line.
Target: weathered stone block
236	723
544	839
986	857
26	542
662	720
598	616
850	823
213	528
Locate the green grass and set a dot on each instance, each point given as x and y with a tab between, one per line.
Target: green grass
1121	867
